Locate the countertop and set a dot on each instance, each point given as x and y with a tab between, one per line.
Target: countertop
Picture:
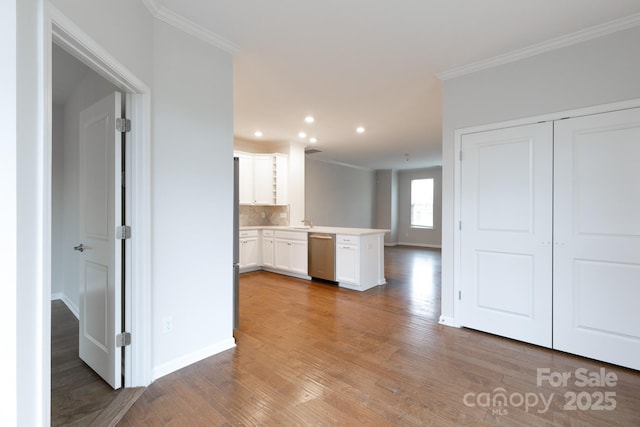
319	229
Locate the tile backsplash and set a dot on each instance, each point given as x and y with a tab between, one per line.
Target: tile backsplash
263	215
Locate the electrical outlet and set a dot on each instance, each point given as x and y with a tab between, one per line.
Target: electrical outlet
167	324
283	214
263	215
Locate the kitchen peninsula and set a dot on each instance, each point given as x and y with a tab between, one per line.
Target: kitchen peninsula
359	253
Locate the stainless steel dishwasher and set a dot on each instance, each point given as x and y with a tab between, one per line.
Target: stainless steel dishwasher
322	256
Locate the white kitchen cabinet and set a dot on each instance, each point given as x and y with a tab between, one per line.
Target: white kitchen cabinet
290	249
245	184
360	261
281	179
263	179
347	260
267	248
249	250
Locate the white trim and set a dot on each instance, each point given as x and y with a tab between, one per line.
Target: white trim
419	245
341	164
448	321
164	14
189	359
62	297
62	31
546	46
457	171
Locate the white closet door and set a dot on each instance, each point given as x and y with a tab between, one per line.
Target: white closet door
506	232
597	237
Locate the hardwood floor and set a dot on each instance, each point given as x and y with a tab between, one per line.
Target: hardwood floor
79	397
313	354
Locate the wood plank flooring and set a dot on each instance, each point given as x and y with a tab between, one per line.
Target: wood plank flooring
313	354
79	397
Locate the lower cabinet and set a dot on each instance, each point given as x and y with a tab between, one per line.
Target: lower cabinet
267	248
360	261
290	252
249	250
347	260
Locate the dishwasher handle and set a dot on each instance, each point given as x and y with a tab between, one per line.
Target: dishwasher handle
320	236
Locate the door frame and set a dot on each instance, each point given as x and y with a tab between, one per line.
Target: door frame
63	32
455	321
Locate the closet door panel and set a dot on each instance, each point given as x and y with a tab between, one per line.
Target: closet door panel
597	237
506	232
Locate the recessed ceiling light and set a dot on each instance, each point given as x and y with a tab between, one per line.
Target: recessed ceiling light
309	119
302	135
313	140
258	134
360	129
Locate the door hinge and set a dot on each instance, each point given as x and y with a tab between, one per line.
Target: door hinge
123	125
123	232
459	295
460	225
460	155
123	339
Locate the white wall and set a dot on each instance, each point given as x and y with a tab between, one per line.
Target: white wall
339	196
419	236
192	193
598	71
24	167
386	216
10	375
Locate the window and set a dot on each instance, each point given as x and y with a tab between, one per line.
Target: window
422	203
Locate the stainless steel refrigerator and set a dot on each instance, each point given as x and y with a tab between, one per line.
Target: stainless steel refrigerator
236	238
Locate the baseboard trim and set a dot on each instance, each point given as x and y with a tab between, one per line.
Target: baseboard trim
191	358
419	245
62	297
448	321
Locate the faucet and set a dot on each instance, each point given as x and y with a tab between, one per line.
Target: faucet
307	222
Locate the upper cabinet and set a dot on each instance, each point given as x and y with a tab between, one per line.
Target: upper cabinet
263	179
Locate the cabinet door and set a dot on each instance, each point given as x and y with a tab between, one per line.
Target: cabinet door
267	251
298	256
506	250
263	179
282	250
245	186
597	237
347	264
249	252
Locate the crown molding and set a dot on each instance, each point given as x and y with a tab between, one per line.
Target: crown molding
546	46
178	21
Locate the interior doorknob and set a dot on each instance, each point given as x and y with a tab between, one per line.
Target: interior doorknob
80	247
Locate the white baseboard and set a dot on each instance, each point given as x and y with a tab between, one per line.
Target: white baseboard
72	307
419	245
189	359
448	321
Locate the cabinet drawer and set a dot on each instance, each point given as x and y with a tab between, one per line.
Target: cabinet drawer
342	239
249	233
267	233
291	235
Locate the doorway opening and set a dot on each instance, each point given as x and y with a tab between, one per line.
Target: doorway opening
98	71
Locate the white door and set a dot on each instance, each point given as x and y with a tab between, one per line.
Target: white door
597	237
506	215
100	265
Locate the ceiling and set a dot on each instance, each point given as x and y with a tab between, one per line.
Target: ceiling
370	63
